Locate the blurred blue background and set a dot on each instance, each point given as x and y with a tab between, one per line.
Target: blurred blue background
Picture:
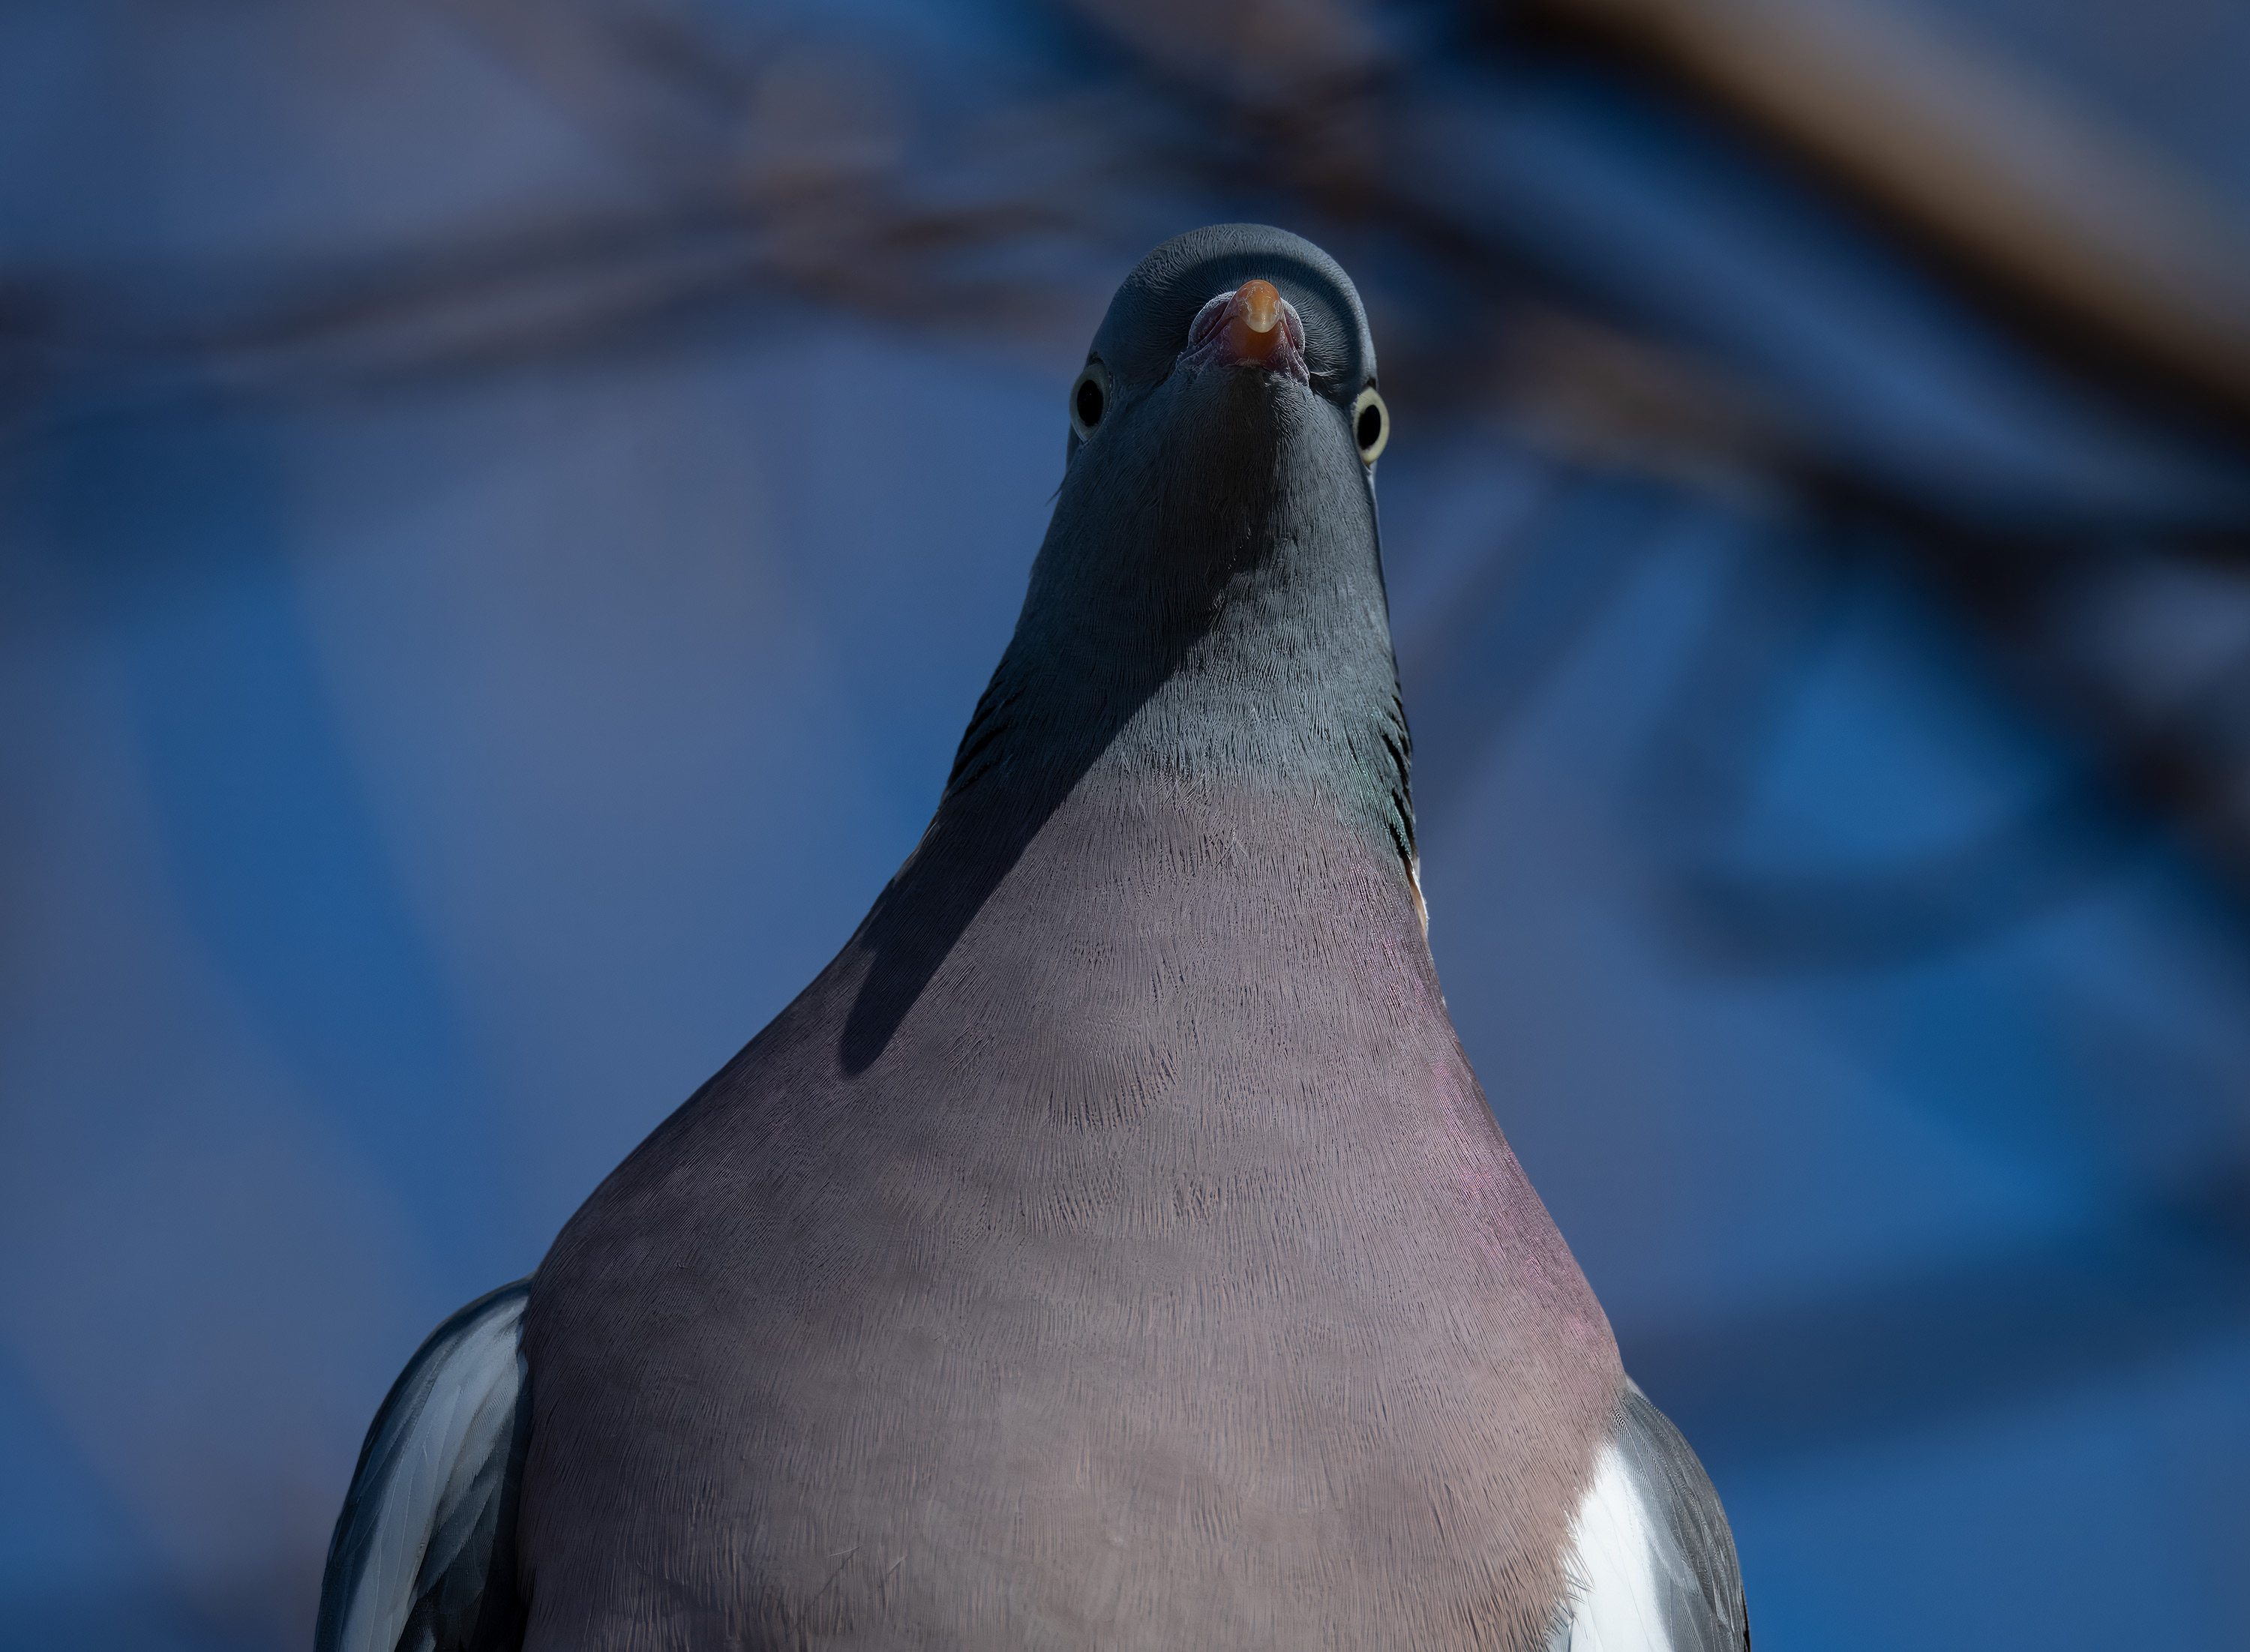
505	508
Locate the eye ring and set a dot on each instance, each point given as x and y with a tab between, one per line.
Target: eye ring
1370	425
1089	399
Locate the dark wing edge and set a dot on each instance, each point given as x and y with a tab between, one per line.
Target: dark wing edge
1701	1577
424	1555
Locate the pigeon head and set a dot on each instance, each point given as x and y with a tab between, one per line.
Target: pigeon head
1234	296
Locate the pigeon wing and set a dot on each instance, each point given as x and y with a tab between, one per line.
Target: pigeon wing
424	1555
1653	1566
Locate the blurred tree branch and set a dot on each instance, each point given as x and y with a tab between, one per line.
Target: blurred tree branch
783	167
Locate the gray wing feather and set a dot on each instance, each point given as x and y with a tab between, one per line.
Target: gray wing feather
1653	1562
1703	1605
424	1555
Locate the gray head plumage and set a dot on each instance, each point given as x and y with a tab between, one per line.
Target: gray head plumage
1141	337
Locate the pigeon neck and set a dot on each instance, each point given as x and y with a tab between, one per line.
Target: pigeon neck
1220	622
1200	635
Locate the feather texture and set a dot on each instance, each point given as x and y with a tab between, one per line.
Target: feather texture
1651	1564
1112	1245
423	1558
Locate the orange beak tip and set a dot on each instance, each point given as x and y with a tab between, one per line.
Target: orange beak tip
1261	305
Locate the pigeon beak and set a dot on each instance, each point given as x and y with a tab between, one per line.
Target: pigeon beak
1254	326
1253	322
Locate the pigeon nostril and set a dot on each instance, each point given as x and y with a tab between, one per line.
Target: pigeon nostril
1252	326
1209	318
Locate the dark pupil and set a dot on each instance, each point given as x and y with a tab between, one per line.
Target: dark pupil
1089	403
1370	425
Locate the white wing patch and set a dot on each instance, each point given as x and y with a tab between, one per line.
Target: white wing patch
1613	1566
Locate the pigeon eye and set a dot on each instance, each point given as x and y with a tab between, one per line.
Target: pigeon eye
1370	425
1089	399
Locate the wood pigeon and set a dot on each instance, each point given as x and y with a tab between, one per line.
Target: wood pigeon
1111	1247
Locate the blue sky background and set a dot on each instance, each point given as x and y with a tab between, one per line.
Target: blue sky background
505	510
